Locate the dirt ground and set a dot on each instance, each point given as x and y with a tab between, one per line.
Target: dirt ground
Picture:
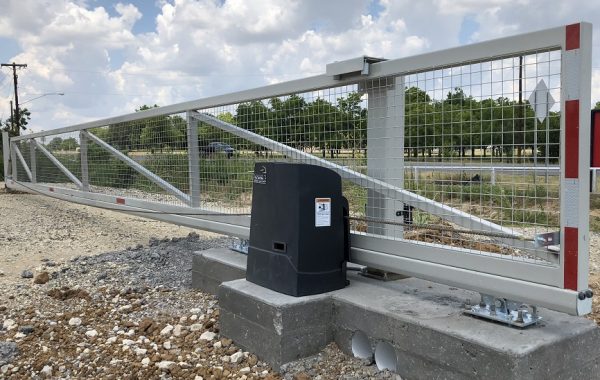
35	227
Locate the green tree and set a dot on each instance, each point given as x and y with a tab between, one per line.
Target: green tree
69	144
55	144
24	117
127	135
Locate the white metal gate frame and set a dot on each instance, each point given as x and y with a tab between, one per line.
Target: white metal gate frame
559	287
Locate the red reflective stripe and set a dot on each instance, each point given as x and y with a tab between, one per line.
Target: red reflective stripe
572	139
51	189
572	36
596	142
571	261
121	201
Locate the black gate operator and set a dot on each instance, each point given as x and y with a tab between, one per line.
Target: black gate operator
299	235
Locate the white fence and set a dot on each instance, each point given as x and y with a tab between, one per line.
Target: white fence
393	129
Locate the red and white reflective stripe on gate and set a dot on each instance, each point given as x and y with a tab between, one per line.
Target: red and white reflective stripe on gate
120	201
571	169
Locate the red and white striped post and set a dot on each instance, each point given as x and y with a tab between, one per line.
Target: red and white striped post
575	154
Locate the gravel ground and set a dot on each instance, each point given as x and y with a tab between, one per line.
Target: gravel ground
102	297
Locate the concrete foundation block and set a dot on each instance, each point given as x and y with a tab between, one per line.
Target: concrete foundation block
421	322
432	339
277	327
213	266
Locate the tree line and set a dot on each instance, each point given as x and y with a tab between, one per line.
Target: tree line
458	125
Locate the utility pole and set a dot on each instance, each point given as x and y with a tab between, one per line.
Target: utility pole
17	117
12	117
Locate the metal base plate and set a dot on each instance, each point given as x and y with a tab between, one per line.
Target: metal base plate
240	245
504	311
381	275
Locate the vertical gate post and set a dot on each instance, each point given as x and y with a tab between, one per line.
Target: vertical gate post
83	152
6	154
32	161
193	160
576	72
385	151
13	161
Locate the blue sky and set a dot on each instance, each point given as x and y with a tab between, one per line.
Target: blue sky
109	57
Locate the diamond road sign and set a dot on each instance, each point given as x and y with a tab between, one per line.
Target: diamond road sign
541	100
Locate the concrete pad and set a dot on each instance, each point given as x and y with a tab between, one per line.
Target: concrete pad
424	323
277	327
213	266
421	320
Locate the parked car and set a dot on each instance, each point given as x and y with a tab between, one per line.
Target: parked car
217	147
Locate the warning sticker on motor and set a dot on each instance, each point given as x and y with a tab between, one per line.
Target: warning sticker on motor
322	212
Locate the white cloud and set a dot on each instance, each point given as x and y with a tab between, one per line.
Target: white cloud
210	47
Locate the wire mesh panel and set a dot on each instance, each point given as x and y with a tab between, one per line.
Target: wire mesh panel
482	117
400	143
24	152
328	125
459	165
64	149
441	120
158	144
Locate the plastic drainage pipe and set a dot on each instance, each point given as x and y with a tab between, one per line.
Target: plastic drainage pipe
361	346
385	357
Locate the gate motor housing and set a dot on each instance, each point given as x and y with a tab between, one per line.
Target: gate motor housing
299	235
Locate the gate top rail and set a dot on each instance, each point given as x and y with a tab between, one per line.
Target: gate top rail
492	49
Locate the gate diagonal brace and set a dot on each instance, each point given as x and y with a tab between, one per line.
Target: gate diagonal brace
23	162
58	164
420	202
139	168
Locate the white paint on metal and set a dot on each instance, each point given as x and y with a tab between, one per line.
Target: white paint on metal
193	160
6	154
33	162
551	297
571	73
83	153
385	151
571	201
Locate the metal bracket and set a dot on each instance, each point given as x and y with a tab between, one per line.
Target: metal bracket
512	313
381	275
240	245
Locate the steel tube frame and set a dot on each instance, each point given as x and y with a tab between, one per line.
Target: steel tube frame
502	47
139	168
6	154
13	162
543	285
33	162
193	160
83	153
233	225
365	250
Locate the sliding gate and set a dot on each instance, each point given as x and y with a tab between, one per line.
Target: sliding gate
389	128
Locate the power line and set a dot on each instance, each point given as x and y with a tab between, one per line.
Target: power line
180	75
